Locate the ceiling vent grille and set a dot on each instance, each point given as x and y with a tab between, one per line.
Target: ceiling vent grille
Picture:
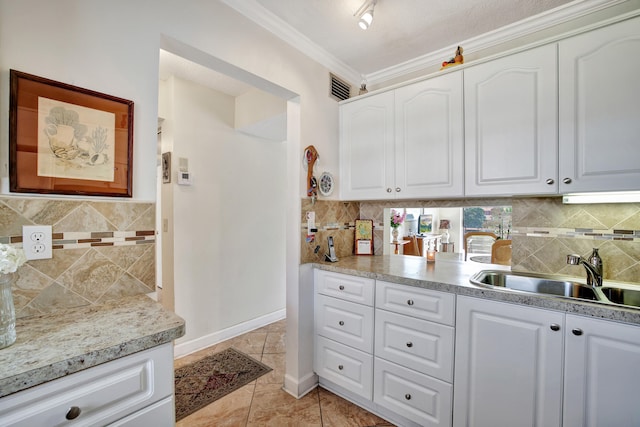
340	89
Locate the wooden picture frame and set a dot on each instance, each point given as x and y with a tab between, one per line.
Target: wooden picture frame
363	237
64	139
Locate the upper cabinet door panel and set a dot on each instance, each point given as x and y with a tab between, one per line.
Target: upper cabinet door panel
366	148
429	138
511	124
600	109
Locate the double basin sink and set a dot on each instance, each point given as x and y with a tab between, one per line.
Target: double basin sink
552	285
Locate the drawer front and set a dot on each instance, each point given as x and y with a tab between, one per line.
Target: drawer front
344	286
426	347
103	394
345	322
420	398
345	366
417	302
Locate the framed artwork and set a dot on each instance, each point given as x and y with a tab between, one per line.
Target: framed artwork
65	139
166	168
364	237
425	224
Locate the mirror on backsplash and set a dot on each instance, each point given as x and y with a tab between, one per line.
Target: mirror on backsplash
444	229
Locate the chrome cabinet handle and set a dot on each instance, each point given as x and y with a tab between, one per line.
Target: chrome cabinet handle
389	190
567	181
555	327
340	367
341	287
407	396
576	331
341	323
409	302
550	181
409	344
398	189
73	413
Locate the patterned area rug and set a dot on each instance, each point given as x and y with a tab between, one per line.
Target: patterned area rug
210	378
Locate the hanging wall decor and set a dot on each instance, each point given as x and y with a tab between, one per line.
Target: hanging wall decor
65	139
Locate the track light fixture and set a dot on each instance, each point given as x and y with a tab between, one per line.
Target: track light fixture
365	13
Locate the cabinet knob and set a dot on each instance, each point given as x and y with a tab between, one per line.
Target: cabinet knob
407	396
555	327
73	413
551	181
410	302
398	189
576	331
567	180
341	323
340	367
341	287
409	344
389	190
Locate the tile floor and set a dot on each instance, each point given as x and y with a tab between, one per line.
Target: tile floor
263	402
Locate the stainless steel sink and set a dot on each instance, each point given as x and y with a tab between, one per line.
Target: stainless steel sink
622	296
537	284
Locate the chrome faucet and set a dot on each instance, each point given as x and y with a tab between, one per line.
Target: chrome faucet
593	266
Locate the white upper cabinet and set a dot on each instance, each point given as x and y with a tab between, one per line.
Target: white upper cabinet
511	125
429	138
406	143
366	148
600	109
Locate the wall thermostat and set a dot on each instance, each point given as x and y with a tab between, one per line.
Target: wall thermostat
184	178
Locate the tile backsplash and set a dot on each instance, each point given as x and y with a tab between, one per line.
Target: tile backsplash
101	251
544	231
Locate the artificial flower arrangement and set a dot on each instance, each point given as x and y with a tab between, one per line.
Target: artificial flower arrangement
11	258
397	218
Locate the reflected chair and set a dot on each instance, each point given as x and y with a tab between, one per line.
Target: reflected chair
472	234
501	252
413	247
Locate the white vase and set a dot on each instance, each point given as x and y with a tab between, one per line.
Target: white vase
7	312
394	233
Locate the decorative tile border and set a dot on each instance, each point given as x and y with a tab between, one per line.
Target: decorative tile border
580	233
87	239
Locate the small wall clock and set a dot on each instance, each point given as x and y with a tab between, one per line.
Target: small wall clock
326	184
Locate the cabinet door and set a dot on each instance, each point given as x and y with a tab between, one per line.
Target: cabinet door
344	366
600	109
508	365
366	148
345	322
429	138
511	125
602	378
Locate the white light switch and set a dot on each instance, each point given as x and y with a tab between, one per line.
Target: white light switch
37	241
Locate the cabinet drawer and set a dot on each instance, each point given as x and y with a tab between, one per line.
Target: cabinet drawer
420	398
424	346
345	322
103	394
417	302
345	366
344	286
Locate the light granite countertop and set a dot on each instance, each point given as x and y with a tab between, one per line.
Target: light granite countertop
52	346
450	274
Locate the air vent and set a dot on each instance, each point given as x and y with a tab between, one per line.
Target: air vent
340	89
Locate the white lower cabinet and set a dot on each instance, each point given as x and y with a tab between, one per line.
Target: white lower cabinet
135	390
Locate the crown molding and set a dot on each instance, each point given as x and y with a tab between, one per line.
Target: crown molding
562	14
272	23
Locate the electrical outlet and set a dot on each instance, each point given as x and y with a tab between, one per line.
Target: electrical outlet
37	241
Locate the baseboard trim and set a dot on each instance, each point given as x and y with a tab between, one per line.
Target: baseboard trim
188	347
299	388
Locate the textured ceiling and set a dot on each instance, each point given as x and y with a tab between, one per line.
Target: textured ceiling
401	29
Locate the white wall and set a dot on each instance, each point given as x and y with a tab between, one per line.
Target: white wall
112	47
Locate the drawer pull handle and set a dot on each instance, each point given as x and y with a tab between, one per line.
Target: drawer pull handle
410	302
73	413
409	344
577	331
555	327
340	367
341	287
341	323
407	396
